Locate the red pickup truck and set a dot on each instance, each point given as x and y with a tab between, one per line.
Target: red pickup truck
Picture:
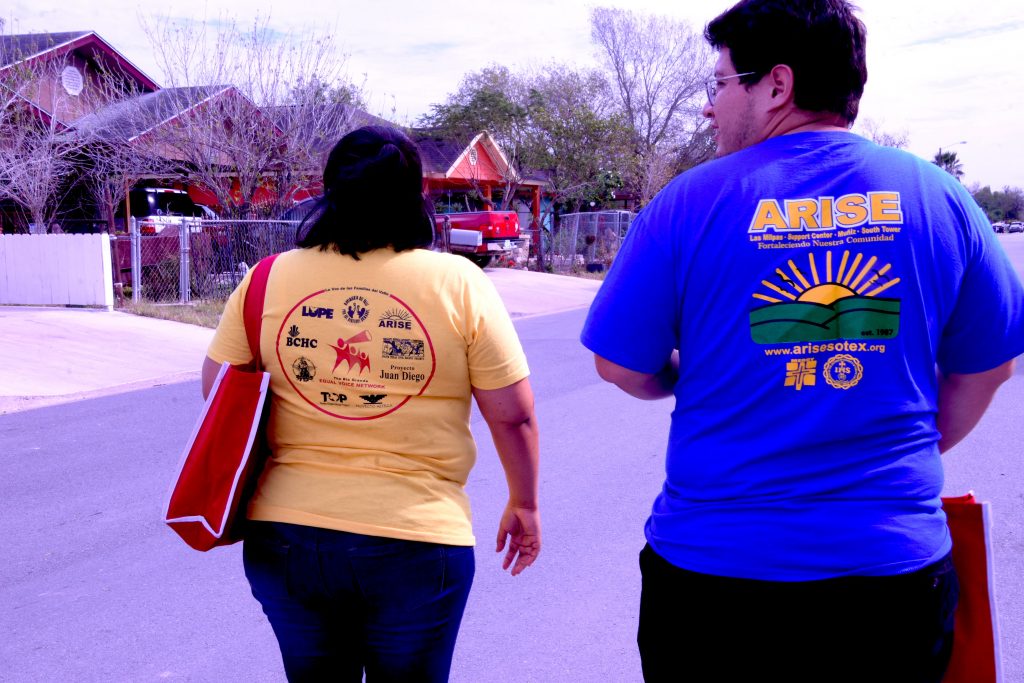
479	235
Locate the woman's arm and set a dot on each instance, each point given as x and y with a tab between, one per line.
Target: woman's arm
210	370
510	416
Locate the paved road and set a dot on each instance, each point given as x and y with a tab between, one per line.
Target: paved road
94	588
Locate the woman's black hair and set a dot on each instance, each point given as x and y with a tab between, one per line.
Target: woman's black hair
373	196
822	41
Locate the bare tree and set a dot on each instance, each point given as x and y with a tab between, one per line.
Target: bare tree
872	130
110	161
254	111
15	79
36	163
38	153
657	66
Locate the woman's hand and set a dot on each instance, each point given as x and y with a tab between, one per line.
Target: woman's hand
521	528
509	414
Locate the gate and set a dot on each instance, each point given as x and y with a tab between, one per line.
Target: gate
195	260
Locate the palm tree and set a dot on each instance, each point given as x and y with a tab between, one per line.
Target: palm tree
949	162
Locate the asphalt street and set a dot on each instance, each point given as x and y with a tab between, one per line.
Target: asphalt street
94	588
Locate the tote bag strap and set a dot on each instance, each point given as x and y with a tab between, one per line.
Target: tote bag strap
252	310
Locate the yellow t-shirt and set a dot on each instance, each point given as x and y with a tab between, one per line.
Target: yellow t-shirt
371	364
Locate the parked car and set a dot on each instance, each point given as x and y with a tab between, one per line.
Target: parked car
1015	226
208	214
157	208
999	226
299	210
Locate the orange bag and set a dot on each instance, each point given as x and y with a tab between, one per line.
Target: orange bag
976	636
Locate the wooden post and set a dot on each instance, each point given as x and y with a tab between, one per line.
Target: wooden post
127	206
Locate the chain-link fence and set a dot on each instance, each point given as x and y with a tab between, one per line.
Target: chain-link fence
206	259
587	241
195	260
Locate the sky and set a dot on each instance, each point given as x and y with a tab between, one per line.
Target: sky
948	74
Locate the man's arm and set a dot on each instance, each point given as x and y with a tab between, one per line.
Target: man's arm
642	385
963	399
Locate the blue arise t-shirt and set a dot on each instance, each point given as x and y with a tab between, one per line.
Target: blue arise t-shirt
812	284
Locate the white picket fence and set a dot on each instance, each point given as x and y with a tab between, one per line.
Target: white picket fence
63	270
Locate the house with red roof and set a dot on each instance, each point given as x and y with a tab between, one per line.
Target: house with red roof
83	57
72	99
476	166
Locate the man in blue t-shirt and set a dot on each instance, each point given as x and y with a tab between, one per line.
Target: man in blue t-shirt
830	316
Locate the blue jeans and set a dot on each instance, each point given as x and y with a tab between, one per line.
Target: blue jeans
883	629
340	603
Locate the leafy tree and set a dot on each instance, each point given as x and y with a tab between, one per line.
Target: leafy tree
1000	205
496	100
657	66
578	139
949	162
555	122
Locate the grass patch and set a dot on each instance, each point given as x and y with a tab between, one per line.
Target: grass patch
205	313
589	276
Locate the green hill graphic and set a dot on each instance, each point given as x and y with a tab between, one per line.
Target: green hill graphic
853	317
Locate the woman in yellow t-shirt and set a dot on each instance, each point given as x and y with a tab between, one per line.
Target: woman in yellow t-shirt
360	547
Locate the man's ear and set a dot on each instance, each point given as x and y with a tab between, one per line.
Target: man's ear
780	80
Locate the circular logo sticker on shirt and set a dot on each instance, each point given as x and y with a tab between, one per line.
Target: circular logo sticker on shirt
355	353
843	371
303	369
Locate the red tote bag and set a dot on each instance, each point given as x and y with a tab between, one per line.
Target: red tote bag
976	637
226	451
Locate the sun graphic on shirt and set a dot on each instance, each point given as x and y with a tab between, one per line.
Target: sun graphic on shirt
795	285
825	300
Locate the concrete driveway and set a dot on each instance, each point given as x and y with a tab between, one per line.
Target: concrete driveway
56	355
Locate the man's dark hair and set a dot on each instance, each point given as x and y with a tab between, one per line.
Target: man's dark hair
820	40
373	196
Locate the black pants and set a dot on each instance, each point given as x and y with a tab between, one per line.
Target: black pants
698	627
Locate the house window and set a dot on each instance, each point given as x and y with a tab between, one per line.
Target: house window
71	79
472	157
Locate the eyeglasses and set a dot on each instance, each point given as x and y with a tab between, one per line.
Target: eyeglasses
711	84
